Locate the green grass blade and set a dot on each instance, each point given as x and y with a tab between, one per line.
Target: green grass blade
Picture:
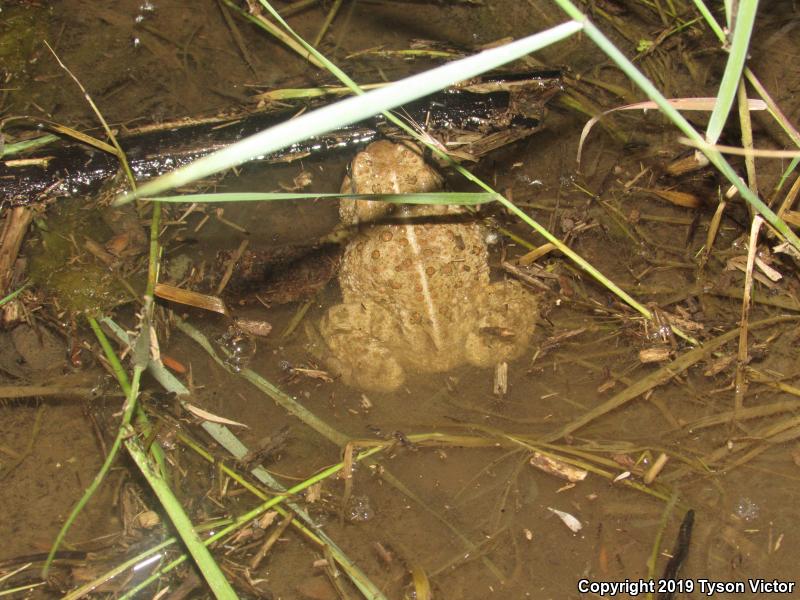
135	560
232	444
24	146
740	42
131	390
180	520
9	297
252	514
786	173
200	553
510	206
773	108
309	93
351	110
655	552
709	18
275	31
678	120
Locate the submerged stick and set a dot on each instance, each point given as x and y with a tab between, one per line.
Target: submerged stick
30	391
14	230
740	385
659	377
327	23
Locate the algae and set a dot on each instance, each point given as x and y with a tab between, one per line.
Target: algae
60	266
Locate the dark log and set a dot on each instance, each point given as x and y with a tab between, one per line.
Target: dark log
502	108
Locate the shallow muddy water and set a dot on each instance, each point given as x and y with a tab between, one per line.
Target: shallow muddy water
454	496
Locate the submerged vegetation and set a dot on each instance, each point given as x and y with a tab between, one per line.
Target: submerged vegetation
658	459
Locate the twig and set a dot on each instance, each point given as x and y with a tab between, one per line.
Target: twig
713	229
747	139
740	386
751	412
791	196
30	391
297	7
270	541
120	154
297	318
328	20
656	550
256	16
226	277
657	378
37	426
14	230
237	37
769	435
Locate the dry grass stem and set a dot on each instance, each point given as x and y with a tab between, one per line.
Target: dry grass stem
33	391
789	201
740	386
16	224
226	277
270	541
663	375
190	298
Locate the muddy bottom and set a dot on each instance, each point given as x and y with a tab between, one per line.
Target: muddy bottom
452	496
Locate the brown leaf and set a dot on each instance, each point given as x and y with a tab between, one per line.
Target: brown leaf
678	198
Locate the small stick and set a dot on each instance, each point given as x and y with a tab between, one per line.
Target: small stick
237	36
37	427
270	541
255	14
328	20
752	412
747	139
788	201
534	255
713	228
347	474
768	436
190	298
741	362
120	154
519	273
663	375
557	467
296	318
30	391
334	574
231	265
789	434
101	253
297	7
500	385
14	230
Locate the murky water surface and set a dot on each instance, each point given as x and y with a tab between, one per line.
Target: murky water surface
455	495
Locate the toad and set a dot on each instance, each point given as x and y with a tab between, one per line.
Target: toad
416	293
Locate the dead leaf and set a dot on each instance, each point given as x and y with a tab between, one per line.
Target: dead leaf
574	524
203	414
677	198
